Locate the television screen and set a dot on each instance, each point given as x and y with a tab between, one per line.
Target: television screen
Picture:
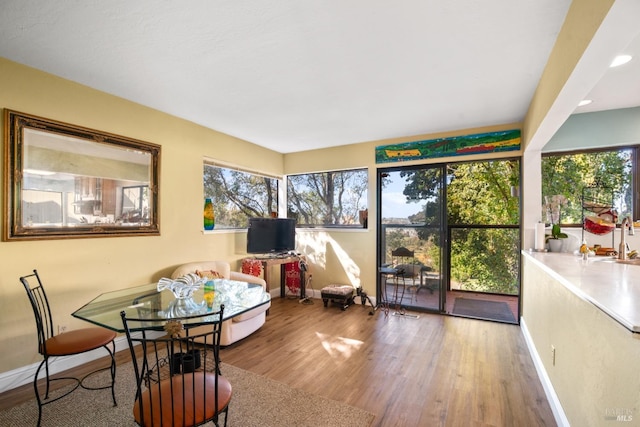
271	235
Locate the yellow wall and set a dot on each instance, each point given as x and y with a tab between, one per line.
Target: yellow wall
76	270
79	269
349	256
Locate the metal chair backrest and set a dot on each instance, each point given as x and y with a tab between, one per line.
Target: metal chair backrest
177	370
41	309
403	260
402	252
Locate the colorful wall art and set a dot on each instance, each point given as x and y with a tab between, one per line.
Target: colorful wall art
479	143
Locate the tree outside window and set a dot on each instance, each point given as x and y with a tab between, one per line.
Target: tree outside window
482	221
239	195
568	173
324	199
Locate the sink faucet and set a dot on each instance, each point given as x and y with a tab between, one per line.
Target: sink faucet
622	249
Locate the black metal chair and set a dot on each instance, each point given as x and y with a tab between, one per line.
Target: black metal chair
66	344
407	271
178	378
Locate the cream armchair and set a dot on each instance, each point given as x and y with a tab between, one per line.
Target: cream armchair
240	326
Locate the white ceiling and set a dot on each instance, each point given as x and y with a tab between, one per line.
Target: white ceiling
298	75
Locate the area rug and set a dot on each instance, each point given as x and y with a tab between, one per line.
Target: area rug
483	309
257	402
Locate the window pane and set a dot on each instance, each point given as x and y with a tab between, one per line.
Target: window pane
568	174
327	198
480	192
238	196
423	241
485	260
411	196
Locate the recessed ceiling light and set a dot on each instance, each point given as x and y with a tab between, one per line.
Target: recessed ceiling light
584	102
620	60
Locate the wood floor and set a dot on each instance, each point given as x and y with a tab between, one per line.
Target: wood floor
432	371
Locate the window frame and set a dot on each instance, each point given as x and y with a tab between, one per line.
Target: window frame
232	167
355	225
635	176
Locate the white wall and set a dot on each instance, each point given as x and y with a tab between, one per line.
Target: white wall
596	130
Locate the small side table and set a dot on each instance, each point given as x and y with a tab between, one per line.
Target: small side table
281	261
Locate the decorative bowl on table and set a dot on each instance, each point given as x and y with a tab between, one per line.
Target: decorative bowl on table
182	287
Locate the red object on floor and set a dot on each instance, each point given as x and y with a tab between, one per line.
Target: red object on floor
252	267
292	277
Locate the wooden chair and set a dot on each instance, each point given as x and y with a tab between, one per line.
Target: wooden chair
177	370
65	344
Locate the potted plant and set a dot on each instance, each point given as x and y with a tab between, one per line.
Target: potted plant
554	239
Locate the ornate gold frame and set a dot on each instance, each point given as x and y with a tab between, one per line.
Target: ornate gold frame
64	181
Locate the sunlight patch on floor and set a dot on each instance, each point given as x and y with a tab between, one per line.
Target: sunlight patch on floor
339	348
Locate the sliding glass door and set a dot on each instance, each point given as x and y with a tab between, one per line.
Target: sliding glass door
460	224
411	217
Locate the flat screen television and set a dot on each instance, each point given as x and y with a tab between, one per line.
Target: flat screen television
271	235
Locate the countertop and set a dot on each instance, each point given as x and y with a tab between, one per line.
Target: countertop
610	286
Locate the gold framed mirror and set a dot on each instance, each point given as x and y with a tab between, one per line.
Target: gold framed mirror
66	181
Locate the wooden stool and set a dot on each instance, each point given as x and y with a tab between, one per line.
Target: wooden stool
338	293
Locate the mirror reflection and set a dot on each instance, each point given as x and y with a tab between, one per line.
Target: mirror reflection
74	182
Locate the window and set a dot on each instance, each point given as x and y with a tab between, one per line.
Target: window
327	199
568	173
238	195
463	215
483	218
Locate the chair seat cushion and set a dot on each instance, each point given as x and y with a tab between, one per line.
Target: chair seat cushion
78	341
183	388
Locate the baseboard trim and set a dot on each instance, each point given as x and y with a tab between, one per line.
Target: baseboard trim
315	294
24	375
552	397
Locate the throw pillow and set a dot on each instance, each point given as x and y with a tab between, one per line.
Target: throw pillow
209	274
252	267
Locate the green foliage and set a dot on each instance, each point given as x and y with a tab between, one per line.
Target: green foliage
568	174
482	215
556	233
480	193
238	195
427	252
327	198
485	260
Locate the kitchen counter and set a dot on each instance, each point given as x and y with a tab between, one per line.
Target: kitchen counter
581	322
612	287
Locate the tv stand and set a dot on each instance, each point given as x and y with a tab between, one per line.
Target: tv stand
281	259
277	256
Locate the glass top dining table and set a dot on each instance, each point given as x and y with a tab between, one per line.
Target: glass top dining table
157	307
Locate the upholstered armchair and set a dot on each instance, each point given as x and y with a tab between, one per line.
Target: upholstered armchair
240	326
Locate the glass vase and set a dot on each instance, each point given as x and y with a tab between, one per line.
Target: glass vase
209	218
